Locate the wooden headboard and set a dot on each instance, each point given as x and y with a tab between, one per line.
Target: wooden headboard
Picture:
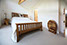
17	15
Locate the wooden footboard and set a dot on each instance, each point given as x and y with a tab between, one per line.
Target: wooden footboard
26	27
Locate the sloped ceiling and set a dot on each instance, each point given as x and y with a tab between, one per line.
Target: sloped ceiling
30	4
33	4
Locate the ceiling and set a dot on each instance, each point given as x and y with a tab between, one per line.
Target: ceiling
33	4
30	4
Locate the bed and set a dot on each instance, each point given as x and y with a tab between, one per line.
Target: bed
21	25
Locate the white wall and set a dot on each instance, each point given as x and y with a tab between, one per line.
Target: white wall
10	6
48	10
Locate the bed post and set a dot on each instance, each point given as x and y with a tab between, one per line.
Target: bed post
17	33
41	27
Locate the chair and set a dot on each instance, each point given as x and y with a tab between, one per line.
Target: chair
52	26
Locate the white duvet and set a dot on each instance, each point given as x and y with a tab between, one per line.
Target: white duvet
13	25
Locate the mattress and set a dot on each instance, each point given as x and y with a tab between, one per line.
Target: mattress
13	25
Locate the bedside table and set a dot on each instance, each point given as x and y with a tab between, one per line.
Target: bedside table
6	21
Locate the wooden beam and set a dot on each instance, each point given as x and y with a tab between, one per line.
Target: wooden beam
21	1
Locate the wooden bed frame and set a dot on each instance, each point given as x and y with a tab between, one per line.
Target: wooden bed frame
26	26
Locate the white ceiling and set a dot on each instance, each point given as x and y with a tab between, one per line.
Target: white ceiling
30	4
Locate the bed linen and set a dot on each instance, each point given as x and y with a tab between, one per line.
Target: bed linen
13	25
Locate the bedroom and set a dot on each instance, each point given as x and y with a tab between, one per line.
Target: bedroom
47	10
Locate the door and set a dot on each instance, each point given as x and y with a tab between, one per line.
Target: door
36	15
